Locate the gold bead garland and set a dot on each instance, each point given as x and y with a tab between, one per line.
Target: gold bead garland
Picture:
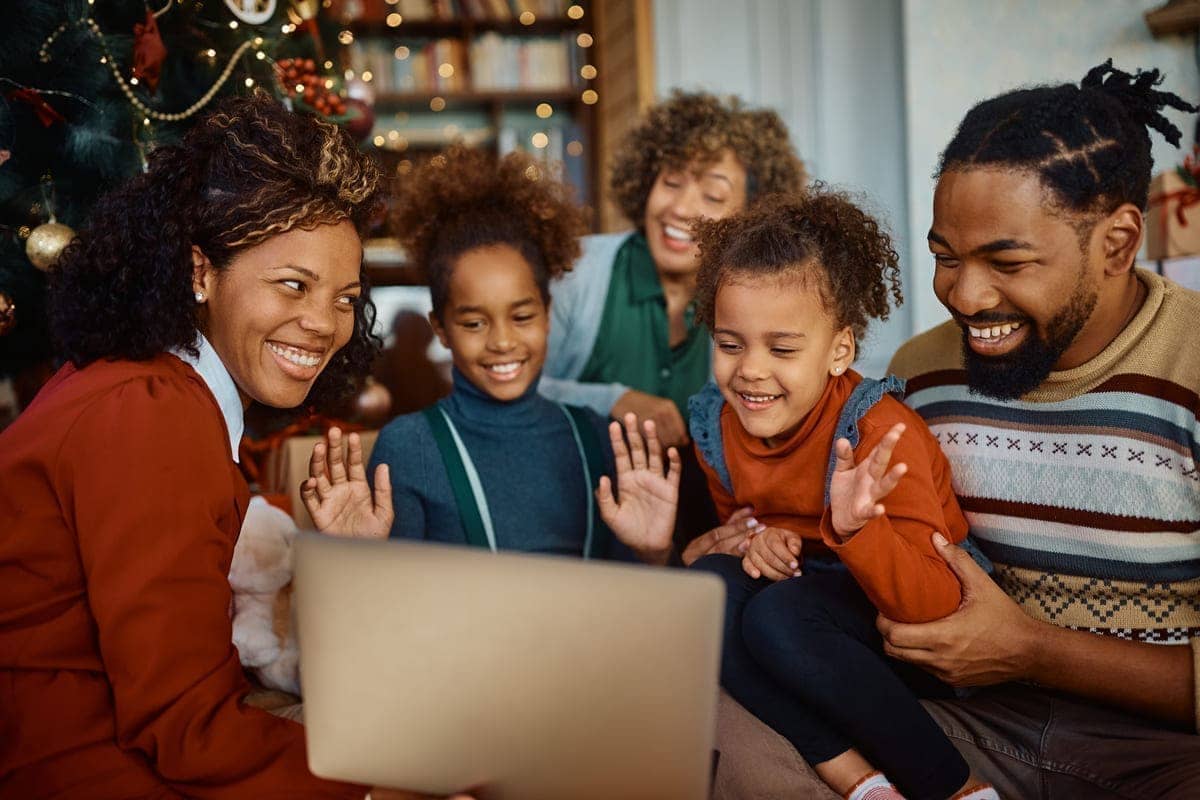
134	100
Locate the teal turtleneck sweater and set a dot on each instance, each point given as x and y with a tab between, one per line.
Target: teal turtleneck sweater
527	461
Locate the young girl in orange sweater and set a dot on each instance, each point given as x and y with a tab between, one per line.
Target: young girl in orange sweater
846	487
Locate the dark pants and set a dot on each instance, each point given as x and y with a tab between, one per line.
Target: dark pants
803	655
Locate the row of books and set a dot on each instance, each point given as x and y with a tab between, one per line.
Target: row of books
557	142
492	62
512	62
443	10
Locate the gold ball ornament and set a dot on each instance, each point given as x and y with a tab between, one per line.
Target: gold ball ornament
46	243
8	314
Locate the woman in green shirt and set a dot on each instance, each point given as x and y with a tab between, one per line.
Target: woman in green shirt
623	336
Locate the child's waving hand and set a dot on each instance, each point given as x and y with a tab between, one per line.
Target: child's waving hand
855	492
338	496
644	519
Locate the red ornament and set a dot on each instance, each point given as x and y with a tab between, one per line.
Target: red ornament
363	122
46	113
149	52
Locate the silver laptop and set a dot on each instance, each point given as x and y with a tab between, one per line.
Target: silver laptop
440	669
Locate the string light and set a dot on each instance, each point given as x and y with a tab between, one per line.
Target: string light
575	12
446	70
539	140
587	71
584	40
125	86
590	97
437	104
544	110
527	18
394	20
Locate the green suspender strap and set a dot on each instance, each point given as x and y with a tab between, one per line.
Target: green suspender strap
468	489
464	480
591	455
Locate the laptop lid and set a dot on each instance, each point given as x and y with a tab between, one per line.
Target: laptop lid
437	669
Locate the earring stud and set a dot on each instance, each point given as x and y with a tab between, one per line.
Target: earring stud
199	297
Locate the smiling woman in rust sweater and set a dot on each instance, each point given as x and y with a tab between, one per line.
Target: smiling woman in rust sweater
226	274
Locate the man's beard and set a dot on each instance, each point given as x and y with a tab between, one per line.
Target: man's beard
1014	374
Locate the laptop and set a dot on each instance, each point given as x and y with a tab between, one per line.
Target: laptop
439	669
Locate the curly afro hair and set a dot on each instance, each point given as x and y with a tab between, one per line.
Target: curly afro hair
247	171
694	129
1089	144
464	199
820	236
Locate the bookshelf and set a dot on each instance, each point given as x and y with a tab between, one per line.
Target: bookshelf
500	74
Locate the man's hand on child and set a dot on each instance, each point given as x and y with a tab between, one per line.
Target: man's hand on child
773	553
672	430
855	491
730	538
988	640
644	519
337	494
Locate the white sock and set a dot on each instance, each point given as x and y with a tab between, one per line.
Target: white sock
984	792
875	786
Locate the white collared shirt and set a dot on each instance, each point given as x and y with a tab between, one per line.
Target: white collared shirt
212	369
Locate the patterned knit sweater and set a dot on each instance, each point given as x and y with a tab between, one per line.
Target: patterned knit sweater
1086	492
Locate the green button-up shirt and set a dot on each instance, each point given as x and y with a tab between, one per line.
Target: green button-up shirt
633	344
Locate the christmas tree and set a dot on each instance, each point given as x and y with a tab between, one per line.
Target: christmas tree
89	87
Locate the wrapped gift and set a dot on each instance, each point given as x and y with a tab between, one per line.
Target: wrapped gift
287	468
1173	217
278	464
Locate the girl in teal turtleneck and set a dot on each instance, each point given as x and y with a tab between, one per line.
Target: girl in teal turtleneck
496	464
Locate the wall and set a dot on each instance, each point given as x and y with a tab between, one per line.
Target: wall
957	53
832	69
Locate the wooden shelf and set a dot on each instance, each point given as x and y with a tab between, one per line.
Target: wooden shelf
420	29
482	97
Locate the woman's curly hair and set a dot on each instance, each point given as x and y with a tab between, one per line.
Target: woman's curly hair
247	171
694	128
819	236
464	199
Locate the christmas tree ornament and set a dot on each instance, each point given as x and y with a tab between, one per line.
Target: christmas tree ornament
8	131
149	52
8	314
303	14
252	12
299	80
46	113
362	122
46	243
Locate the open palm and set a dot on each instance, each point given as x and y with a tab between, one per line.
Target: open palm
855	492
644	519
337	494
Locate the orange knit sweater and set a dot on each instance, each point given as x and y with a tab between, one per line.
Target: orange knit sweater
892	557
